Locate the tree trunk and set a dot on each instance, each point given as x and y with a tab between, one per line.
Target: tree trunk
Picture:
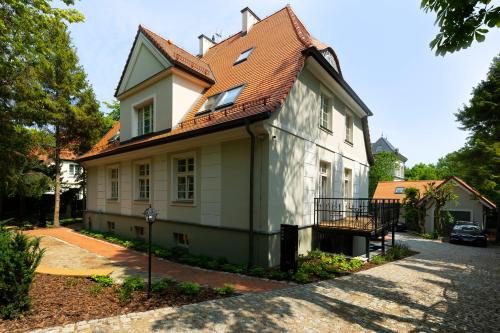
57	185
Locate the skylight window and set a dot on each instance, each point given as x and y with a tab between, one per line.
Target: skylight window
221	100
243	56
399	190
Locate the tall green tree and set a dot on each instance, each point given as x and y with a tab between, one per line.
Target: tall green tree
382	170
24	46
422	171
112	116
438	196
461	22
70	110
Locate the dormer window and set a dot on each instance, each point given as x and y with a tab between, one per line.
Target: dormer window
221	100
243	56
145	118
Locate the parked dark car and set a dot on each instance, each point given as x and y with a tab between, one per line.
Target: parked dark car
468	233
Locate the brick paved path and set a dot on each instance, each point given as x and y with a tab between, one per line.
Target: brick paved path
445	288
138	261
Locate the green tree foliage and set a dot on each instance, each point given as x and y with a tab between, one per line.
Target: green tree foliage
461	22
422	171
19	258
414	212
112	116
24	47
479	160
69	108
439	196
382	170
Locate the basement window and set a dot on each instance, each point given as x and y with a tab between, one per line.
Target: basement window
181	239
243	56
399	190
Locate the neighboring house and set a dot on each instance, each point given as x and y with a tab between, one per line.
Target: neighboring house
383	145
70	170
470	205
230	144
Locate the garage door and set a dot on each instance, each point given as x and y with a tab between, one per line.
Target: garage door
460	215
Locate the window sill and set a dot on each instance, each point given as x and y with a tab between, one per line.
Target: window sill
324	129
348	143
141	201
113	200
184	203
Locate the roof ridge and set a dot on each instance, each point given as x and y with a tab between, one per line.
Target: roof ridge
299	27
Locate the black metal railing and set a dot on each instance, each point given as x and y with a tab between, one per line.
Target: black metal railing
361	214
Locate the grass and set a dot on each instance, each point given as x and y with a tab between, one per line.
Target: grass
399	251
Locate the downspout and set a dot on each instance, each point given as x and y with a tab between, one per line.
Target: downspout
250	213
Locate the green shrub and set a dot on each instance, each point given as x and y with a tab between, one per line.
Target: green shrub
161	285
378	260
226	290
233	268
103	280
130	284
178	251
257	271
301	277
190	288
356	263
19	257
96	289
397	252
279	275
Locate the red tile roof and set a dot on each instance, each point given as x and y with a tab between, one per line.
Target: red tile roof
268	74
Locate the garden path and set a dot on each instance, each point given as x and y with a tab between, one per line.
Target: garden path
121	257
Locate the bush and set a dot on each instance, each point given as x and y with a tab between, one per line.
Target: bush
161	285
279	275
190	288
257	271
19	257
227	290
378	260
301	277
102	280
130	284
399	251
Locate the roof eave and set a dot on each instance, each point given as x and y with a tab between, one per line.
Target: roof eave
312	51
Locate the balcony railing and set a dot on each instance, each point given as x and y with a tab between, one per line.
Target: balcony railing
357	215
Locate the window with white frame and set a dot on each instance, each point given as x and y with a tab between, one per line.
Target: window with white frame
348	127
74	169
184	179
145	119
326	112
142	171
113	183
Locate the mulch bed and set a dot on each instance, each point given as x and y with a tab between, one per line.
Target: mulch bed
58	300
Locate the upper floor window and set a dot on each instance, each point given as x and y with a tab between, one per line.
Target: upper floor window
349	128
326	112
184	179
243	56
74	169
113	183
221	100
145	118
142	171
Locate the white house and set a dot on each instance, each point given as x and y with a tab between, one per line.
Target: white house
231	143
470	205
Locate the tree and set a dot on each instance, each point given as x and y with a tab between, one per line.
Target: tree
70	110
461	22
24	45
112	116
382	170
439	196
422	171
414	210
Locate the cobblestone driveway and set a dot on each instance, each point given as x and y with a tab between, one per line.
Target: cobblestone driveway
445	288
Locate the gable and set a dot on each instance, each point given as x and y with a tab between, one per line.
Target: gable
145	61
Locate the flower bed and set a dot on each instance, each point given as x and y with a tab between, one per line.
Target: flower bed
58	300
314	266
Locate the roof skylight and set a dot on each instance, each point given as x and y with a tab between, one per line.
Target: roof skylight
221	100
399	190
243	56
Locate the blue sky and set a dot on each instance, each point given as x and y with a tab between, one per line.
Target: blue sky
382	47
